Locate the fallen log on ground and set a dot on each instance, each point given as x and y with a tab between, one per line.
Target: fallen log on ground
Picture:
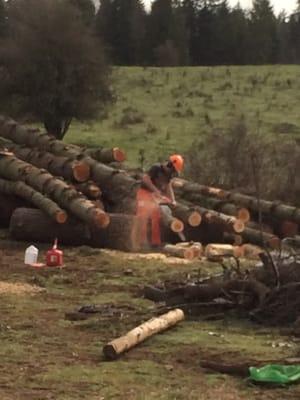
57	165
122	233
181	252
217	251
118	346
33	225
14	169
35	198
8	204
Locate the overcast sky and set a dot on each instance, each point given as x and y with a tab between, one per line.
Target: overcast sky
279	5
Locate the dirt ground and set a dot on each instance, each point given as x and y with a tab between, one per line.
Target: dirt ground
46	354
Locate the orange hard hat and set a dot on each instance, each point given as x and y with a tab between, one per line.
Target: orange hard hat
177	162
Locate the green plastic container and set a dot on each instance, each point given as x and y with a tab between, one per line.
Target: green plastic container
280	374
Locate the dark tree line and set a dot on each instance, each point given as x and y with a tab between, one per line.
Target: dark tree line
197	32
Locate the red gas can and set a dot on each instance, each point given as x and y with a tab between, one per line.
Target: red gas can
54	257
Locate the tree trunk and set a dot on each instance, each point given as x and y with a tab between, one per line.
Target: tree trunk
177	251
58	166
33	197
89	189
117	185
218	205
106	156
232	238
123	233
17	170
216	251
255	237
155	325
33	225
169	222
187	215
183	186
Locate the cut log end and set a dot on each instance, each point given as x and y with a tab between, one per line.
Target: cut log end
102	219
81	171
190	254
238	226
110	353
177	226
194	219
243	215
61	217
118	154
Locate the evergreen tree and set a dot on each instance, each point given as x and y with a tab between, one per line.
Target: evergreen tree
263	31
86	8
121	23
239	51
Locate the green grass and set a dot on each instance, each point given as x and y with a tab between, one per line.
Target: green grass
167	109
45	356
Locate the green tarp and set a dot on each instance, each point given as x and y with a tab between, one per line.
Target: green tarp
280	374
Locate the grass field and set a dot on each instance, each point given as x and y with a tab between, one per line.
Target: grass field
162	110
46	356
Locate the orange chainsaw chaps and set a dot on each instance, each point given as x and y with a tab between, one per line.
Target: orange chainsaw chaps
148	210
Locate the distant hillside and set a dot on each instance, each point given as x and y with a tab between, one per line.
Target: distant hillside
162	110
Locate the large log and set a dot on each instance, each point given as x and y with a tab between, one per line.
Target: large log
106	156
122	233
181	252
26	192
261	239
14	169
56	165
187	215
33	225
183	186
117	186
155	325
89	189
8	204
219	205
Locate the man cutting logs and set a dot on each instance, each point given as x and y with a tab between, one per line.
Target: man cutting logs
157	192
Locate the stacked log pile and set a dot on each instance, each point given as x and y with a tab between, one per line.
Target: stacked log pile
51	189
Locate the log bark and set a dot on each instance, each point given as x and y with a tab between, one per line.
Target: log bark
105	155
182	185
232	238
42	181
255	237
181	252
8	204
222	206
231	223
155	325
58	166
89	189
216	251
117	185
276	209
33	225
35	198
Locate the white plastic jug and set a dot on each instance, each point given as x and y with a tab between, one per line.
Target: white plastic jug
31	255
